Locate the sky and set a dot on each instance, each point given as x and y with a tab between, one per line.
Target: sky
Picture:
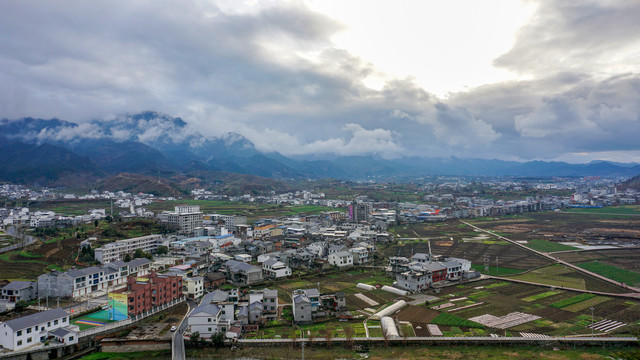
492	79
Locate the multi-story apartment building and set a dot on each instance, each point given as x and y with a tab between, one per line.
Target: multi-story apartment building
85	282
185	218
145	294
193	287
117	250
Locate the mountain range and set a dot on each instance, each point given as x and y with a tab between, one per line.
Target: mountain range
152	144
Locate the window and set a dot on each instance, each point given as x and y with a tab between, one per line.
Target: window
19	333
70	338
28	330
29	340
209	329
64	319
49	324
19	342
209	319
55	322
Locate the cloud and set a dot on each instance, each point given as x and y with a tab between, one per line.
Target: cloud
588	36
271	72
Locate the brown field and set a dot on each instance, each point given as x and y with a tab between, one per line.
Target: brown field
418	314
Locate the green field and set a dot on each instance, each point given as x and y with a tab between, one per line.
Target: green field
547	246
612	272
540	296
572	300
609	210
447	319
556	275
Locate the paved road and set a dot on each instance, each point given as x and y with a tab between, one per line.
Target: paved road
177	341
555	259
22	242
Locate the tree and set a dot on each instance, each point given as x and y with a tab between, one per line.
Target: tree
21	306
87	254
162	250
127	258
95	223
217	340
142	254
194	338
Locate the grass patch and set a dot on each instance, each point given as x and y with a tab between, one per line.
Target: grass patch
547	246
612	272
609	210
540	296
499	271
586	304
556	275
499	284
447	319
572	300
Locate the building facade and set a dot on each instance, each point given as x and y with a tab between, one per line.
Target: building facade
117	250
26	331
145	294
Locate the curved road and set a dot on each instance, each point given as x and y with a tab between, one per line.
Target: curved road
177	340
555	259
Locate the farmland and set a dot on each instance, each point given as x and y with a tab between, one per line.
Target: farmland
612	272
548	246
452	320
558	312
572	300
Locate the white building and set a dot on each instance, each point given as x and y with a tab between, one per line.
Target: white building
185	218
341	259
209	319
26	331
193	287
117	250
275	269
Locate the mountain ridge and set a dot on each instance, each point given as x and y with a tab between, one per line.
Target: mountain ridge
151	143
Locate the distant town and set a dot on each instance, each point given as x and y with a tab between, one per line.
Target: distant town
331	269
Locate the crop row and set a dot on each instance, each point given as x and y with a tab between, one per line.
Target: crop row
447	319
572	300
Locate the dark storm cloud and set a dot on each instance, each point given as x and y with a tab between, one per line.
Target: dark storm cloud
272	74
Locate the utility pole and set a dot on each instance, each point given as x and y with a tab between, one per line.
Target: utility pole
592	308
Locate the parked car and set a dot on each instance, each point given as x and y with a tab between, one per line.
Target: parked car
174	328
